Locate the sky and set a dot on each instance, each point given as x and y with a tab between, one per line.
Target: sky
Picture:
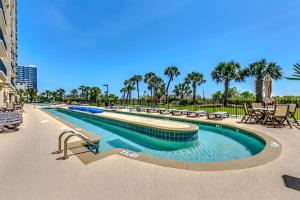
96	42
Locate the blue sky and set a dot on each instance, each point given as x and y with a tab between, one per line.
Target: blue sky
75	42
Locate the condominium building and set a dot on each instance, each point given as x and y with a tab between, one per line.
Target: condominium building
8	51
26	77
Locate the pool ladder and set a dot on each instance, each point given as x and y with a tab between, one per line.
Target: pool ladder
91	145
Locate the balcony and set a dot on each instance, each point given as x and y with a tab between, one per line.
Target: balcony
3	71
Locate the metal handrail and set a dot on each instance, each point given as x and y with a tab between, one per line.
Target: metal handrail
73	134
59	140
81	137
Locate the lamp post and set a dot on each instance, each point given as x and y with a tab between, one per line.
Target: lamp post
106	102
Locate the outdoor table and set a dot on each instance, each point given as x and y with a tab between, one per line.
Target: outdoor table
264	112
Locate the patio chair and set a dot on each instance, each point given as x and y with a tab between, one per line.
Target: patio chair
292	112
279	116
251	114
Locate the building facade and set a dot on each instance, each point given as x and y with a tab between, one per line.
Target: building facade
26	77
8	51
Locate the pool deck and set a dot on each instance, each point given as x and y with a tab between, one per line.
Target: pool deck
148	122
29	170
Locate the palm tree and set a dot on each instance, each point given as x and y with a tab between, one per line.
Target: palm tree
54	95
21	94
61	93
195	79
32	93
47	92
259	70
123	92
87	91
182	89
82	91
148	78
226	72
137	79
171	72
129	85
74	93
94	94
158	85
296	75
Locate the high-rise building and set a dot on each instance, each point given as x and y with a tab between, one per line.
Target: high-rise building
26	77
8	51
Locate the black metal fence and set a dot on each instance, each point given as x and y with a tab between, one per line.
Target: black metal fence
233	107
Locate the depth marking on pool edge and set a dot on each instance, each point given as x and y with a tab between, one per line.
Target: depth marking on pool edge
274	144
129	154
44	121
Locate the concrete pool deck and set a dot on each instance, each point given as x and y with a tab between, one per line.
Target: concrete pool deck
28	170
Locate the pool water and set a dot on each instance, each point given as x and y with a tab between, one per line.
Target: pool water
214	143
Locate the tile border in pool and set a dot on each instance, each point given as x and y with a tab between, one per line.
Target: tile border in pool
176	135
268	154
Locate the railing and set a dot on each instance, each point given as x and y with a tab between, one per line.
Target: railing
91	144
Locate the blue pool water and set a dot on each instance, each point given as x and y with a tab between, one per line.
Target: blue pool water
214	143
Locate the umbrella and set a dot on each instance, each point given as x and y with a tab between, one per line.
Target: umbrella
268	87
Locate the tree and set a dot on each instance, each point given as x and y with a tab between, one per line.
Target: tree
148	79
171	72
259	70
123	92
296	75
32	93
195	79
226	72
74	94
94	94
82	91
137	79
218	95
182	89
233	93
158	85
54	95
87	91
47	92
129	85
61	93
247	95
21	94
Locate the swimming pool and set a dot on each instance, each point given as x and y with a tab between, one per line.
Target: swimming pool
214	143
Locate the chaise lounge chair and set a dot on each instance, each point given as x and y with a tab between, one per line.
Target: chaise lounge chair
10	120
218	115
199	113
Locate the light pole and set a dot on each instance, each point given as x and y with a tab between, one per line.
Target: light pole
106	102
